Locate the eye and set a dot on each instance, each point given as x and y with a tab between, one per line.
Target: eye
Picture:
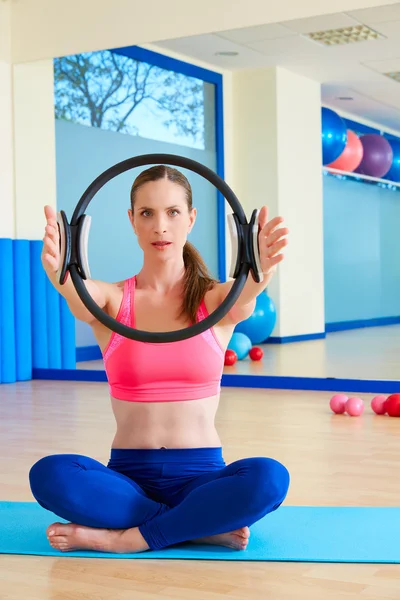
145	213
173	212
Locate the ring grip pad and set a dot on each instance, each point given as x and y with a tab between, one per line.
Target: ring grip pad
237	237
245	248
74	241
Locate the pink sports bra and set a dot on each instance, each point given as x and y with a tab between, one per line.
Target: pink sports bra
145	372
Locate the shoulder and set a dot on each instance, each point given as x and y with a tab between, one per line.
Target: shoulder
215	296
113	294
110	289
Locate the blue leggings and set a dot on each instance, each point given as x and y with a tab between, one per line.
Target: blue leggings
172	495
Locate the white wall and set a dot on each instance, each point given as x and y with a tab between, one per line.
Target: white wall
34	138
6	131
254	137
5	31
6	153
49	28
277	162
300	200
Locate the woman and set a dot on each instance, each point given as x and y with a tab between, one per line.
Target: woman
166	481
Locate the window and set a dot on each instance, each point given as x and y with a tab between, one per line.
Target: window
119	93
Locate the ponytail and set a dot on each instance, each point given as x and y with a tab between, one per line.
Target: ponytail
197	281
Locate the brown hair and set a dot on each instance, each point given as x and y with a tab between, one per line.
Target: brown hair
197	280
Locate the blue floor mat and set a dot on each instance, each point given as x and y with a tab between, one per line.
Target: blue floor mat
292	533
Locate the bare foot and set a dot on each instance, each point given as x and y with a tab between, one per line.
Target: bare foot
68	536
237	539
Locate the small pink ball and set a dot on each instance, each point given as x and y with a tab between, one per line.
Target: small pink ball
378	405
354	407
337	403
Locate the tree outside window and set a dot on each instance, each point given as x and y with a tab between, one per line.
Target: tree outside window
110	91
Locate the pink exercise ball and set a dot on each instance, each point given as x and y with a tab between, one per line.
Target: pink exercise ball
354	407
337	403
378	405
351	156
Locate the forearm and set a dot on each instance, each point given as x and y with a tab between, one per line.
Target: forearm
252	289
245	304
72	298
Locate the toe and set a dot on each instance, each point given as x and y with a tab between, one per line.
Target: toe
62	528
60	539
54	529
60	546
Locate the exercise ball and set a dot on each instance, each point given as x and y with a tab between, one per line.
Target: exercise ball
334	135
378	155
351	155
259	326
394	172
240	344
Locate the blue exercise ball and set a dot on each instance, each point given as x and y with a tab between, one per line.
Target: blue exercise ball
334	135
259	326
240	344
394	172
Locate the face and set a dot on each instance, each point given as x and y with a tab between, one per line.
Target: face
161	218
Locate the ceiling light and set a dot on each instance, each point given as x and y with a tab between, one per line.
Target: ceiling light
345	35
226	53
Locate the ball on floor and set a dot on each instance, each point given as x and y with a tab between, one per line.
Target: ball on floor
256	353
378	405
230	358
337	403
354	407
392	405
240	344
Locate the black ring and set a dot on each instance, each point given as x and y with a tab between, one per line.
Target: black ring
238	284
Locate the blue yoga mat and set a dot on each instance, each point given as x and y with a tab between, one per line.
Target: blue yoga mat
292	533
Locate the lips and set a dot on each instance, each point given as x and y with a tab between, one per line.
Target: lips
160	244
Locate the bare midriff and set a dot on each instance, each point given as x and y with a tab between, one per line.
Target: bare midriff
147	425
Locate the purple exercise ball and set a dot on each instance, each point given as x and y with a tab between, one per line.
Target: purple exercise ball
378	156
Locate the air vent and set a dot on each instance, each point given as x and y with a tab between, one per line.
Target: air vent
346	35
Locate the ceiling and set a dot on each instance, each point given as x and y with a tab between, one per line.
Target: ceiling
43	29
347	71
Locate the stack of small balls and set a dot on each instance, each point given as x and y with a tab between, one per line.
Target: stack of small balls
340	403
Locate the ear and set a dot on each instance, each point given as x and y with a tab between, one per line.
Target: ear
130	215
192	219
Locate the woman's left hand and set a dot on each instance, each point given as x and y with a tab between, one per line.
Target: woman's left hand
271	241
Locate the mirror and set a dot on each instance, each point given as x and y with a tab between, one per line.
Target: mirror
180	112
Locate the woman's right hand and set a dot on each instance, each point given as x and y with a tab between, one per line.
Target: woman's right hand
51	242
100	292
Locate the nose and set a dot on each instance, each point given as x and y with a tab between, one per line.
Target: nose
160	226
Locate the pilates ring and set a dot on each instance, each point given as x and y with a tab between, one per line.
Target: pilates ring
74	242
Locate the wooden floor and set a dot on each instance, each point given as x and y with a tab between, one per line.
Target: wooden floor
333	460
369	353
